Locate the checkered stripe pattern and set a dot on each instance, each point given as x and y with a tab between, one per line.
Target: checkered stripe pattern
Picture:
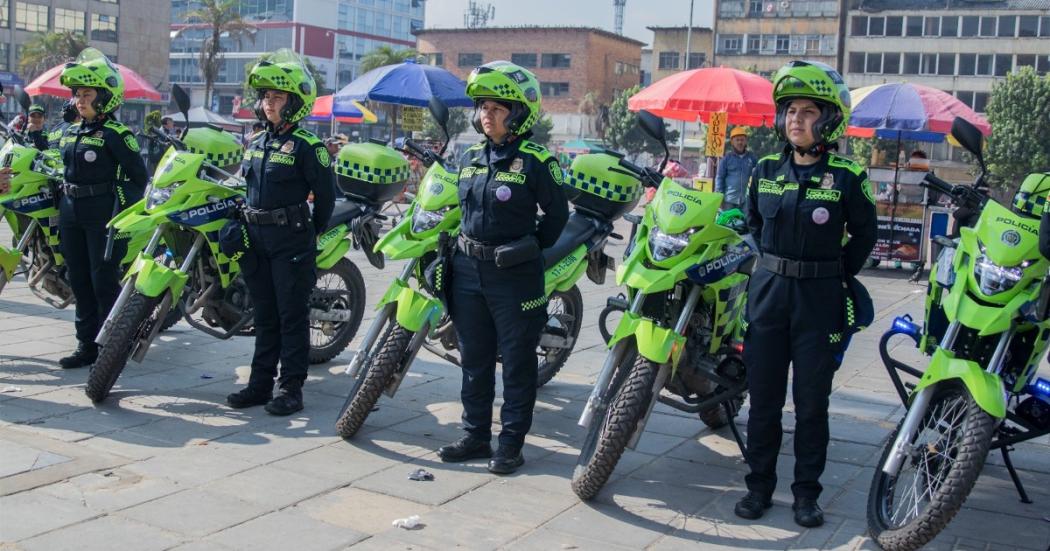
223	262
603	188
1032	203
220	159
534	304
821	87
370	174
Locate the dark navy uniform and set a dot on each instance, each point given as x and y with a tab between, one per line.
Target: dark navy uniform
504	309
796	304
39	139
280	267
102	167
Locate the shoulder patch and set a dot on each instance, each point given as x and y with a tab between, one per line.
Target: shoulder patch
476	147
536	150
555	170
306	135
116	125
773	157
322	156
131	142
865	186
846	163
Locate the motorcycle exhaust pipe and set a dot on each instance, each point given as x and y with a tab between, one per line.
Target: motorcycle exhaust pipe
370	339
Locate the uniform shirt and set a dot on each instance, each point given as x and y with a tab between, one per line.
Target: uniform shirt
282	169
734	171
39	139
103	151
500	187
804	218
54	137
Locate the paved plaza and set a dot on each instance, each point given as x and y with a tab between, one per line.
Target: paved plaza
165	464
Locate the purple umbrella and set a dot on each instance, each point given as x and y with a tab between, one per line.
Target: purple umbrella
407	83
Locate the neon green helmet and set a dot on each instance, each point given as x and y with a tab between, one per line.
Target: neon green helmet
818	82
221	148
285	71
1031	197
597	183
371	171
92	69
506	82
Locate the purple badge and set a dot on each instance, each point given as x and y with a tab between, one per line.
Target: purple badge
821	215
503	193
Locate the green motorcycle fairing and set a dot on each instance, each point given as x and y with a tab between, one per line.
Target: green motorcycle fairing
434	210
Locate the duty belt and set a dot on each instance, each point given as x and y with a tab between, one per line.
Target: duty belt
800	269
476	249
295	215
78	192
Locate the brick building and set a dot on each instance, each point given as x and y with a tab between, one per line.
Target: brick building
569	62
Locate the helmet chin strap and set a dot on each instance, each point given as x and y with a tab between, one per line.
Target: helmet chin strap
815	150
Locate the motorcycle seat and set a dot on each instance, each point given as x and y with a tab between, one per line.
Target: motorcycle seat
577	231
345	211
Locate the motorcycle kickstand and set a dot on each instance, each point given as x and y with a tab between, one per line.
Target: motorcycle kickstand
731	414
1013	475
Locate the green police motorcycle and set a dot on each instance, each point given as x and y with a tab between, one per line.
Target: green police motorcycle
986	332
192	196
681	332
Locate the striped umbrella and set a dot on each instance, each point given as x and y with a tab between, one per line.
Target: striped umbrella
906	111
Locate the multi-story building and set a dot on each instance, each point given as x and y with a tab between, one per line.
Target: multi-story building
125	31
669	49
570	62
960	46
333	34
763	35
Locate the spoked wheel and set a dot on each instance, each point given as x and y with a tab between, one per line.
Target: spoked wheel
564	318
339	293
372	381
907	510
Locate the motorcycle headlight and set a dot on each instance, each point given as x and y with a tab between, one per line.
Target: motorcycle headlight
160	195
425	220
993	278
665	245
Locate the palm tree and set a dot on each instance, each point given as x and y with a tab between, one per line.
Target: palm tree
224	19
380	57
45	50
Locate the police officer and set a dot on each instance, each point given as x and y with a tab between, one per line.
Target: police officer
35	128
103	174
282	166
800	203
497	300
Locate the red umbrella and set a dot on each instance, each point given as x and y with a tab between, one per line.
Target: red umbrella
135	87
688	95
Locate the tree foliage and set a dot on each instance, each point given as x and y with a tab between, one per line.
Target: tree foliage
223	19
541	131
385	55
45	50
458	121
623	133
1020	140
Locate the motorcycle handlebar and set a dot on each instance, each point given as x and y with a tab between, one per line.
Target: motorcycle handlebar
648	176
965	194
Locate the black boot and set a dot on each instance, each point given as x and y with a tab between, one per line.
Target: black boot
251	395
289	400
83	356
807	512
506	460
466	448
752	506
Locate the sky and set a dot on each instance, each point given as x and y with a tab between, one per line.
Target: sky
638	14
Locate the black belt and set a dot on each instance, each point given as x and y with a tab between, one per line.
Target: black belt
78	192
295	215
476	249
800	269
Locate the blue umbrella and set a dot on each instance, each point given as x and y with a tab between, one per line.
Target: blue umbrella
407	83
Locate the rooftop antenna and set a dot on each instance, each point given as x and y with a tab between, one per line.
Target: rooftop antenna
477	17
618	20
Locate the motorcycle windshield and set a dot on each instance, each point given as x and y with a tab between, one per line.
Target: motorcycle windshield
1008	239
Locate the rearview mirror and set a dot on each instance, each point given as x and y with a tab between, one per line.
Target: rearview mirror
969	137
652	125
182	100
24	100
439	111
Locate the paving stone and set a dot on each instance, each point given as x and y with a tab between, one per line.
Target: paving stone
104	534
287	529
195	512
360	510
27	514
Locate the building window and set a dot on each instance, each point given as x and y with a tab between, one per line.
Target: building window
984	64
929	64
30	17
69	20
523	60
754	43
755	7
965	97
436	58
967	64
895	25
946	64
877	26
1026	60
783	43
668	60
970	25
696	60
103	27
1003	64
950	26
988	25
469	60
812	43
980	101
554	89
911	63
933	26
1042	64
874	64
891	64
555	61
914	27
1007	26
1044	25
859	25
856	62
3	56
730	43
1029	26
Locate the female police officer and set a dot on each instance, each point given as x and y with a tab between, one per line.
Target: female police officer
282	166
497	300
799	204
104	173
